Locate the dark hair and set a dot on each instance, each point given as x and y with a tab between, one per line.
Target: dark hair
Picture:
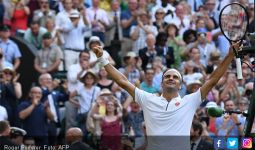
34	23
187	33
85	51
160	37
4	125
197	126
172	25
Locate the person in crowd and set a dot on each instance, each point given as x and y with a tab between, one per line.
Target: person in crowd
168	8
159	22
128	19
48	59
74	139
104	81
191	72
98	20
17	135
131	70
230	124
139	32
175	40
10	49
166	52
171	85
197	141
5	130
19	13
147	84
33	35
34	114
73	84
56	35
87	94
41	15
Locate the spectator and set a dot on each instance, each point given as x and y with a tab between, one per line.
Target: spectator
175	40
190	72
195	4
98	20
49	57
197	141
167	53
148	53
34	34
10	49
73	84
159	20
139	32
111	126
230	124
193	86
87	93
158	68
74	139
34	114
128	19
168	8
3	62
19	13
4	135
147	84
17	136
131	70
44	13
104	81
73	31
56	35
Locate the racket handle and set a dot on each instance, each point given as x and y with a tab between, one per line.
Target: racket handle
239	68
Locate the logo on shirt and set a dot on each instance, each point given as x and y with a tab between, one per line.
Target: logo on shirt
219	143
177	104
232	143
246	143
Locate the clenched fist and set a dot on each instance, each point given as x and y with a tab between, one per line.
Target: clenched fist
98	50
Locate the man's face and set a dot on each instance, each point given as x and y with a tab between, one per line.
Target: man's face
68	4
35	29
150	41
6	34
149	74
35	93
47	42
210	4
132	4
46	81
229	105
171	81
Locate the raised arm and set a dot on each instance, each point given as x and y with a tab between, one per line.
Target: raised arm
118	77
218	73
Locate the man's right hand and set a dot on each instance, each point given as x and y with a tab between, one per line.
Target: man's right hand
98	50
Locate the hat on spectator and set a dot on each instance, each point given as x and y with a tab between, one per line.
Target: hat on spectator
130	55
4	28
105	92
15	131
9	69
86	72
210	105
193	82
74	14
94	39
47	35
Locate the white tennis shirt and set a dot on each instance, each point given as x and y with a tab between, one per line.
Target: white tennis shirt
168	122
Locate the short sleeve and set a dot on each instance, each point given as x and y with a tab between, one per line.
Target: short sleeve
140	96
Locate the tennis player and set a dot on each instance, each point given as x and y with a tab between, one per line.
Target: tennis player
168	118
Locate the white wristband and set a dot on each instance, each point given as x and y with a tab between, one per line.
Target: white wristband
103	61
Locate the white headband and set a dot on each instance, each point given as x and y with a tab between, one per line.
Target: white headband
176	71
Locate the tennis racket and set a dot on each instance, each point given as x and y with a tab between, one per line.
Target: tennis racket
234	23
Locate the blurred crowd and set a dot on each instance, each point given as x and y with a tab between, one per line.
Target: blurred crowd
141	38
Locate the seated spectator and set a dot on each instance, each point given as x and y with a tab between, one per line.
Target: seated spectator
34	34
19	17
41	15
10	49
49	57
34	114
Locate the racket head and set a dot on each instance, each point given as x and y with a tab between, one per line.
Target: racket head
234	22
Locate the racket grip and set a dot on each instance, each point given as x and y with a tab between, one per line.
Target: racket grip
239	68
